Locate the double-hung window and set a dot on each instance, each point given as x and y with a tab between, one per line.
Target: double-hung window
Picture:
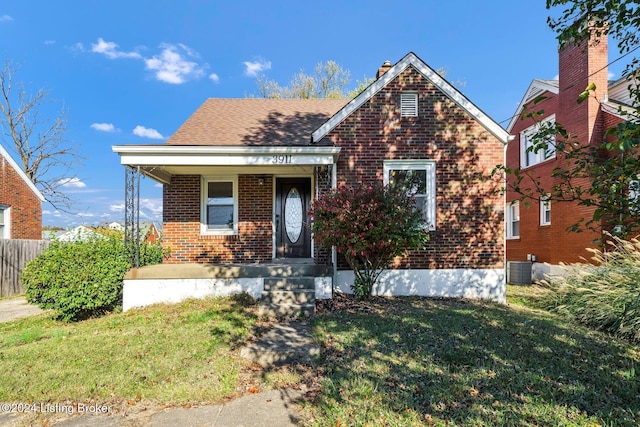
219	206
531	155
4	222
545	210
418	178
513	220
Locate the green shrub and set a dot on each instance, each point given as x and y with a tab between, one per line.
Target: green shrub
604	296
81	279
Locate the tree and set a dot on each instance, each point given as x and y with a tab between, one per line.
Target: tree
603	176
368	226
328	81
45	155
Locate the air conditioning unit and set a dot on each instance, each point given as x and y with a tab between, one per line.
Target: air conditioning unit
520	272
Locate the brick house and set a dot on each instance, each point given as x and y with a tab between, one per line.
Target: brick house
537	230
239	176
20	202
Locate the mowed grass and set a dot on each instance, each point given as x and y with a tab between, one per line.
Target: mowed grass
175	354
416	362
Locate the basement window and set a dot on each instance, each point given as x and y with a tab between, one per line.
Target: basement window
409	104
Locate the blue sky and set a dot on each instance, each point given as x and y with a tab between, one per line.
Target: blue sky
131	72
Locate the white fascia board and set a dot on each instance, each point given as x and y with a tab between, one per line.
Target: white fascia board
4	153
224	156
412	60
535	88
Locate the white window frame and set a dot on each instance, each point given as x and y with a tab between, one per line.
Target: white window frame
511	218
5	213
545	207
429	214
634	195
409	104
531	158
204	188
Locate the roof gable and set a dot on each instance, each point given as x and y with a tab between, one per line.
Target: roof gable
5	154
536	88
445	87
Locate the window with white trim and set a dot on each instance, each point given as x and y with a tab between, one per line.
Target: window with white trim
545	210
219	205
513	220
418	178
528	155
4	222
409	104
634	195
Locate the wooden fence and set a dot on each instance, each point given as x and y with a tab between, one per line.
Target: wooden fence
14	255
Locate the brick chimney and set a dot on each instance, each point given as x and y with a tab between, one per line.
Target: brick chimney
580	65
383	69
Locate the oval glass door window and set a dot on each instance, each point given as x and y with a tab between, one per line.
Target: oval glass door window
293	215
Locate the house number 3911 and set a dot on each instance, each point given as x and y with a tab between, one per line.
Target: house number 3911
281	159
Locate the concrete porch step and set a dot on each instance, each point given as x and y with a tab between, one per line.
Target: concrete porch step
288	283
299	296
306	310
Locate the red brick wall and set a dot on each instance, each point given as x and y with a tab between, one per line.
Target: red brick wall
579	66
181	223
26	208
469	214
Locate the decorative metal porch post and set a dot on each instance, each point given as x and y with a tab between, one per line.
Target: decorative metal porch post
132	214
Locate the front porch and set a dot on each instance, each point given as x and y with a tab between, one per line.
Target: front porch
283	287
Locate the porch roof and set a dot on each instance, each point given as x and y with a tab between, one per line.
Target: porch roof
160	162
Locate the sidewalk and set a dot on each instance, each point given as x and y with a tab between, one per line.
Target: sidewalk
16	308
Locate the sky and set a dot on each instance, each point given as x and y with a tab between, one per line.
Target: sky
131	72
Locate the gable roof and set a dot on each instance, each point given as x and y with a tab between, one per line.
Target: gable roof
536	88
5	154
412	60
255	122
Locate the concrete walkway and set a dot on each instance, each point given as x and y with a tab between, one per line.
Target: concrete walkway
16	308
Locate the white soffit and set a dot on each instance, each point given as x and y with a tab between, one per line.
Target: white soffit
536	88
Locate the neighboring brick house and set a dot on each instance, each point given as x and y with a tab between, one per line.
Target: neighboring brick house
538	230
20	202
239	176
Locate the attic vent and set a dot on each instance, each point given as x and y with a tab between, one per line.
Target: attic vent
409	104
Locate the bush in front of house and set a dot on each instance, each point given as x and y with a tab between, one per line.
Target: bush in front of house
81	279
368	226
604	296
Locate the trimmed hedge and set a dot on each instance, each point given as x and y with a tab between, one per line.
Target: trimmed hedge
81	279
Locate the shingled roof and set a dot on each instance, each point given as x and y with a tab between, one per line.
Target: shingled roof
255	122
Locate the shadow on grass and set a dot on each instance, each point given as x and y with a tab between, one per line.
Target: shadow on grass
419	361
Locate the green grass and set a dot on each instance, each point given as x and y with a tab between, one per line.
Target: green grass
168	354
414	362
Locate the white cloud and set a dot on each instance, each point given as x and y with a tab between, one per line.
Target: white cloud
110	50
103	127
252	69
610	75
72	183
117	208
172	64
5	18
153	205
214	78
49	42
147	132
85	215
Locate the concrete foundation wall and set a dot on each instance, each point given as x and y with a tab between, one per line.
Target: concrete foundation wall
487	284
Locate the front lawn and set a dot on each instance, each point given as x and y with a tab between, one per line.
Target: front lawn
415	362
172	354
